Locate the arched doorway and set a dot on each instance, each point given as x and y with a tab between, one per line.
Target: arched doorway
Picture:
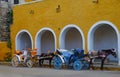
23	40
71	37
45	40
103	35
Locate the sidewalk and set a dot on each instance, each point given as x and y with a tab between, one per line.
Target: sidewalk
108	66
5	63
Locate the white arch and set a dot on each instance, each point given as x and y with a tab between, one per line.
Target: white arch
38	37
92	30
63	33
17	37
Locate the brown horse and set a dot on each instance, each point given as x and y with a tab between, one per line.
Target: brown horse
102	54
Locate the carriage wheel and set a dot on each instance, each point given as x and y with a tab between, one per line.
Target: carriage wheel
15	61
57	62
85	65
77	65
29	63
71	59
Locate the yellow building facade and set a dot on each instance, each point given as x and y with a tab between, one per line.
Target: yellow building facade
3	50
51	24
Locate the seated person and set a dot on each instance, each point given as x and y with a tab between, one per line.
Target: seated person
24	55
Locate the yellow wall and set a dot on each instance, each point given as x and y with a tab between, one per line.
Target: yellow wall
83	13
28	0
3	50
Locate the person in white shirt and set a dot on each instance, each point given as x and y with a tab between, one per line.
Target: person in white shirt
24	54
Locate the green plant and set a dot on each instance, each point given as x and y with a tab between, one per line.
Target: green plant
9	44
8	56
10	17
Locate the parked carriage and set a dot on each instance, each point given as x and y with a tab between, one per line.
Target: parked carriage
19	59
74	58
101	54
45	56
31	59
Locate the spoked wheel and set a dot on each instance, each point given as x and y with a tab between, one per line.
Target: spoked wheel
57	62
15	61
85	65
29	63
77	65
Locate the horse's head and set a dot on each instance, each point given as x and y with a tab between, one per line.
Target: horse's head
113	52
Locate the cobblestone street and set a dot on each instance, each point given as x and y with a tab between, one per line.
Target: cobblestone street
8	71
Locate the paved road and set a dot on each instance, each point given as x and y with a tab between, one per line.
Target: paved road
8	71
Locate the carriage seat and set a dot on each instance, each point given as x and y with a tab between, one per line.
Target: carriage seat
18	52
78	52
33	53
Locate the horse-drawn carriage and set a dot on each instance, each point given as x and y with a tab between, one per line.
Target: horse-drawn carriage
102	55
45	57
75	58
26	60
31	58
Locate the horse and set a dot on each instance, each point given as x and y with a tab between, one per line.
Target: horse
101	54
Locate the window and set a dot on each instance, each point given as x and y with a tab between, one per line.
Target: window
16	1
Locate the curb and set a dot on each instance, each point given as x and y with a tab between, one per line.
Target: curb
5	63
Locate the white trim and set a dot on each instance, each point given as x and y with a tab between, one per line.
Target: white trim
61	57
31	2
63	33
38	35
19	34
94	27
18	56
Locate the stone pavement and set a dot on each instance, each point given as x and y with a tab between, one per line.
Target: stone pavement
109	67
8	71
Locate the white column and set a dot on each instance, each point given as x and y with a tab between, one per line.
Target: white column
119	50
